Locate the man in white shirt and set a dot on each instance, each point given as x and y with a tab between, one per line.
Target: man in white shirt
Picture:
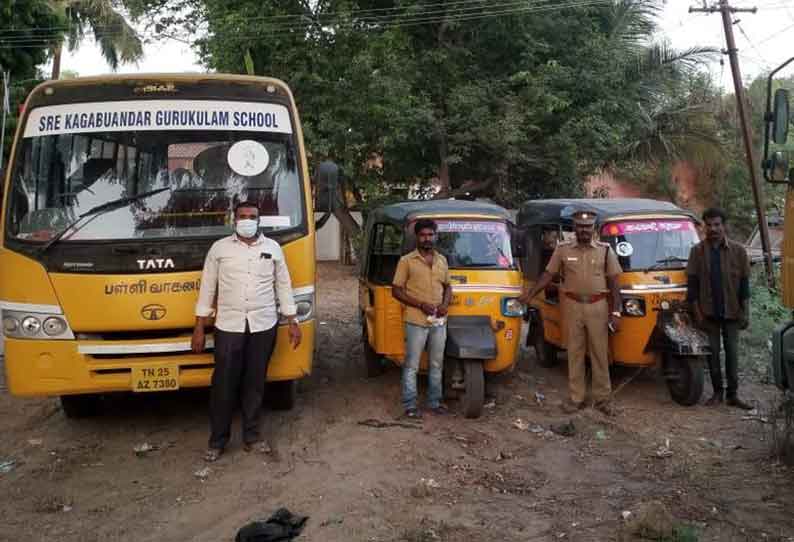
248	273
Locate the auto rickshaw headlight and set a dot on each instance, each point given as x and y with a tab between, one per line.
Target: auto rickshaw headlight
634	307
511	306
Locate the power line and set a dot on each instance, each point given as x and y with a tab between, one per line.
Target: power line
393	21
760	56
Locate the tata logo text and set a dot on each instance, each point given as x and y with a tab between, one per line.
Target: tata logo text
156	263
153	312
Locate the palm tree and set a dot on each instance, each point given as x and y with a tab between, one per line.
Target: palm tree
669	122
117	40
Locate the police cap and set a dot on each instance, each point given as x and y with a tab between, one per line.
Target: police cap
584	218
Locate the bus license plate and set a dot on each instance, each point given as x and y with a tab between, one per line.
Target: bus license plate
155	378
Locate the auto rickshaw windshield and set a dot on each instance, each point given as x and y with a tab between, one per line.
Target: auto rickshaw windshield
646	244
475	244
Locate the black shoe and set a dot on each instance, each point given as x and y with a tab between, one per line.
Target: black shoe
715	400
738	403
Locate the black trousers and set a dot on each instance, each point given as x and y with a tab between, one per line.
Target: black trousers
728	331
241	361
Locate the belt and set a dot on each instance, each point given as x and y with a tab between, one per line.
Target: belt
588	299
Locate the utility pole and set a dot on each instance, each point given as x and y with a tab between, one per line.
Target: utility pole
726	10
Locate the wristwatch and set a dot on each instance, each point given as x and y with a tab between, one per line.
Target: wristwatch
616	314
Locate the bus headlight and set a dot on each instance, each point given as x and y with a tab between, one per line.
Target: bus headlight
10	325
511	306
28	325
31	325
634	307
54	326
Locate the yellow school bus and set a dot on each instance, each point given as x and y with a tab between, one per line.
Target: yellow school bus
115	189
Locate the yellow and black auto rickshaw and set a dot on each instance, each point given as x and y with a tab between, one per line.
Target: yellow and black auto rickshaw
484	323
652	240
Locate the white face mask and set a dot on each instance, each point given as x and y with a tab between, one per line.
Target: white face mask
247	227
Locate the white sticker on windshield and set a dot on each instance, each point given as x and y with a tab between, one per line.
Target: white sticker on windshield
275	221
248	158
624	249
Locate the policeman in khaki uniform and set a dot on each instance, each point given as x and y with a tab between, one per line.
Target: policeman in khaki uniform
590	306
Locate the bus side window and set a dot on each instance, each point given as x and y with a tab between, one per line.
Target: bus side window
384	253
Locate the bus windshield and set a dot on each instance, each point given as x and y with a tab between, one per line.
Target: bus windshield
645	244
475	244
197	158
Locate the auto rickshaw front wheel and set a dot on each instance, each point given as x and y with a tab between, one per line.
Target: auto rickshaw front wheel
373	362
545	352
474	395
685	378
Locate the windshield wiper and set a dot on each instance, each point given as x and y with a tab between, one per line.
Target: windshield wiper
99	210
671	259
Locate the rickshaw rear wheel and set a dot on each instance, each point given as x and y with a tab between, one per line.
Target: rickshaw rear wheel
545	352
450	393
281	394
474	396
372	360
685	379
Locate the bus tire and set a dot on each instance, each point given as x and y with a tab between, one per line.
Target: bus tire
80	406
372	361
474	396
281	394
685	379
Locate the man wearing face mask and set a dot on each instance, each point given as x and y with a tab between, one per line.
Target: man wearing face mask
248	273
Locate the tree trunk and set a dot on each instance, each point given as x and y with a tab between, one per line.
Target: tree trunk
346	220
443	168
56	61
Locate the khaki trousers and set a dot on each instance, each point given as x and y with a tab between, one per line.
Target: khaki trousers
587	332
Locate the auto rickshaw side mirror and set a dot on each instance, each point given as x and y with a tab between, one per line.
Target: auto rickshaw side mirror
780	117
518	242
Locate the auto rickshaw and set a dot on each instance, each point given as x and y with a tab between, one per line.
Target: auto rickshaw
652	240
484	322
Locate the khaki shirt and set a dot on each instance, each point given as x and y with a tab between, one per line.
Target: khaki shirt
734	272
421	282
584	269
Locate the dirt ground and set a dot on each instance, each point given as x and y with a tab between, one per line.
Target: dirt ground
506	476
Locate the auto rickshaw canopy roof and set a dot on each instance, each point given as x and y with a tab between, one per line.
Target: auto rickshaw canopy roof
560	211
403	212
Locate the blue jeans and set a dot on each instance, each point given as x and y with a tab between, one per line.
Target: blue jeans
416	338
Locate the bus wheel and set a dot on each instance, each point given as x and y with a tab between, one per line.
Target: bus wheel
372	360
474	396
545	352
80	406
281	394
685	378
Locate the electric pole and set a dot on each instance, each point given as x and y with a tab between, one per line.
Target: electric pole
727	10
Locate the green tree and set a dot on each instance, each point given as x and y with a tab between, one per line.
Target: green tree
484	98
21	52
117	40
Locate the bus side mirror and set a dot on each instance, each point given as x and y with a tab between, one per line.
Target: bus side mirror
780	117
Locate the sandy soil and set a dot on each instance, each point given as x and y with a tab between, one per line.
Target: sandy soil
505	476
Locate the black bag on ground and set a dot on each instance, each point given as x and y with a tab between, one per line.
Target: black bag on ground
282	525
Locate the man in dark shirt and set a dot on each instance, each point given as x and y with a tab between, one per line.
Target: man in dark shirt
719	292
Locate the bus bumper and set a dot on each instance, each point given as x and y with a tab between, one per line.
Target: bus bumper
48	367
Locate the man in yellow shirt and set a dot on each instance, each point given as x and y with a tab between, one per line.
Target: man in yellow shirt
421	283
